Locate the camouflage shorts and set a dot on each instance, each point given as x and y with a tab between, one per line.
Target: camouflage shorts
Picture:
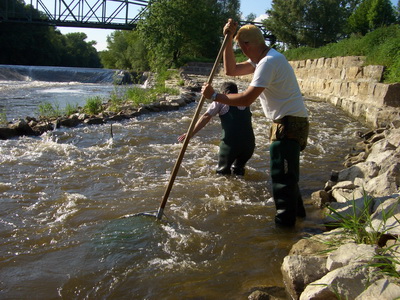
292	128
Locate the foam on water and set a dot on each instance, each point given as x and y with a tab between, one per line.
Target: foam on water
63	195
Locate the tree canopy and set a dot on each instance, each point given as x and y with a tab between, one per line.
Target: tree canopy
172	30
319	22
26	44
175	31
370	15
126	51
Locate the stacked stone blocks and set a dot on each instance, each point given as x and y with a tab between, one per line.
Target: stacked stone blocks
347	83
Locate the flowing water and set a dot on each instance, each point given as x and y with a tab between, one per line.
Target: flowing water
64	195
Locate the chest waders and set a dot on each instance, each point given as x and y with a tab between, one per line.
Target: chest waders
288	138
237	141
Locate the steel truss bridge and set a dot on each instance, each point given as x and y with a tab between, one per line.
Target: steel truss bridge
106	14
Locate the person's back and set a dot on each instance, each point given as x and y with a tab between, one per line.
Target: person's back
237	141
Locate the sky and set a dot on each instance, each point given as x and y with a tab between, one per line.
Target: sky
257	7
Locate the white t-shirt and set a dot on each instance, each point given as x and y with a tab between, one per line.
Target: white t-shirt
218	108
281	96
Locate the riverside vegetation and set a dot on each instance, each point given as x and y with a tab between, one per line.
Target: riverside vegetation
380	47
132	102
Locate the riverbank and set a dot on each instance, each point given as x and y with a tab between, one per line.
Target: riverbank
358	257
32	126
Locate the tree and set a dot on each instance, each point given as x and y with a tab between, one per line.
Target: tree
398	12
370	15
230	9
125	50
28	44
381	14
80	53
250	17
309	23
173	30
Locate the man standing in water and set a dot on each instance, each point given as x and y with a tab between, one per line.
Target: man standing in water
275	83
237	141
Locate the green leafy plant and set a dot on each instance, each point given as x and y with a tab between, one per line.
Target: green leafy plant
115	102
93	105
70	109
357	221
139	96
3	117
48	110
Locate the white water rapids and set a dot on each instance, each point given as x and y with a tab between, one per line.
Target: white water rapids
63	194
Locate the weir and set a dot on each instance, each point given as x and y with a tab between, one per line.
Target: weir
58	74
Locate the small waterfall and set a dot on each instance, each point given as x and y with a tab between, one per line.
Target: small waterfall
57	74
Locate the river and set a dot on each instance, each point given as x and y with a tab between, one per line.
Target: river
64	196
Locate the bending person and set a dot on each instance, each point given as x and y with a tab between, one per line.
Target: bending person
237	140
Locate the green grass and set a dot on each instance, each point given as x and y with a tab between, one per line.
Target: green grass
3	117
380	47
359	219
387	260
139	96
93	105
70	109
135	96
48	110
116	101
355	225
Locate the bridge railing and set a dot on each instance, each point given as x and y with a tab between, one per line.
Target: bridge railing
108	14
267	34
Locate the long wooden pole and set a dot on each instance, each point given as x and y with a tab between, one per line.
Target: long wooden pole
189	133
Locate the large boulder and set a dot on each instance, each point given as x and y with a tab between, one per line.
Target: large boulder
382	289
350	253
343	283
386	218
298	271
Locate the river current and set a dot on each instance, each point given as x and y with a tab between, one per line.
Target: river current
64	195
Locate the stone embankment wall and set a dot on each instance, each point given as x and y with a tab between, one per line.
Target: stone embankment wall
348	84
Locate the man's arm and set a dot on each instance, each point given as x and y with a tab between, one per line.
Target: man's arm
204	119
232	68
241	99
